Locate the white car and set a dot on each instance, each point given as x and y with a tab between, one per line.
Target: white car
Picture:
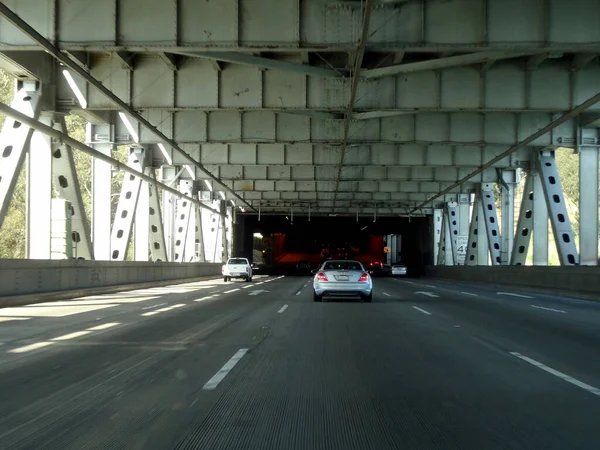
237	268
340	278
399	269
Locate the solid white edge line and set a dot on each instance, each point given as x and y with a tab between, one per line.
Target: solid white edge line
549	309
222	373
558	374
422	310
283	308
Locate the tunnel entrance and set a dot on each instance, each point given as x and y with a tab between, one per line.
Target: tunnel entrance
280	245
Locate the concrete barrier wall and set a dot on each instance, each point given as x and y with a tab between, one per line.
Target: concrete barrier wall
580	279
19	277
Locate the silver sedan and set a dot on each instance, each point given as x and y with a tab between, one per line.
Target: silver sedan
342	277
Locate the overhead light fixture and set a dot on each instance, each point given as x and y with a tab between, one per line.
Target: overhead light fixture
191	171
132	131
165	153
208	185
73	85
258	235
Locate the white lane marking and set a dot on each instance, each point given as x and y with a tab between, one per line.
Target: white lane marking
283	308
428	294
386	294
429	286
407	282
153	306
222	373
204	298
549	309
469	293
8	319
558	374
246	287
28	348
257	292
232	290
104	326
299	292
513	295
74	335
422	310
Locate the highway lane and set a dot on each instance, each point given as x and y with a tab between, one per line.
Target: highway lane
276	370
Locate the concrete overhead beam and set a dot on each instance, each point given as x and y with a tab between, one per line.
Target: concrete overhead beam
440	63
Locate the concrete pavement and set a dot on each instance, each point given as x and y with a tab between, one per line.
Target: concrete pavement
259	365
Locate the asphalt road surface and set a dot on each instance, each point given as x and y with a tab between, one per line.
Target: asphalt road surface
213	365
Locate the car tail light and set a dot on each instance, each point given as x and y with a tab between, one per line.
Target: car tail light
363	278
321	277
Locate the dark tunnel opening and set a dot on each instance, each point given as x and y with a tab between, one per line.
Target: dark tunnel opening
278	244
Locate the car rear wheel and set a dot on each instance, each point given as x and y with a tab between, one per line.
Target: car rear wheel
225	279
248	279
368	298
317	298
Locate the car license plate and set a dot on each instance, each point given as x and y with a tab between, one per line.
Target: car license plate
342	278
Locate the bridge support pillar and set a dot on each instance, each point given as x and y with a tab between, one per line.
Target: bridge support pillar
452	215
101	138
66	184
588	206
123	224
507	207
14	138
39	192
472	258
559	217
156	232
141	237
437	233
540	221
491	222
199	249
182	221
524	225
224	231
168	175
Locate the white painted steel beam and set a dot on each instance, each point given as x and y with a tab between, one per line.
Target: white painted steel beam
525	224
158	248
437	233
540	222
442	243
199	237
182	222
141	237
507	211
472	258
126	208
588	206
66	185
39	193
490	216
14	138
453	227
100	138
440	63
559	216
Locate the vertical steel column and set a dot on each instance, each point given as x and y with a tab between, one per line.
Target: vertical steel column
168	175
101	139
483	248
441	256
588	206
540	221
141	236
223	209
13	141
121	230
448	255
472	253
559	217
66	184
524	225
491	221
199	241
39	193
158	249
437	233
452	211
182	221
507	209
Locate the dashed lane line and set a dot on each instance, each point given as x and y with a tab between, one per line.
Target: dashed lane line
222	373
422	310
549	309
283	308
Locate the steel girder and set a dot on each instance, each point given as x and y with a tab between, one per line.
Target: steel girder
141	237
453	226
182	222
491	222
588	206
559	216
14	138
199	238
158	249
126	208
437	233
472	258
540	222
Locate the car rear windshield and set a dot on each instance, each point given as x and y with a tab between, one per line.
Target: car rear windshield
342	265
238	261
